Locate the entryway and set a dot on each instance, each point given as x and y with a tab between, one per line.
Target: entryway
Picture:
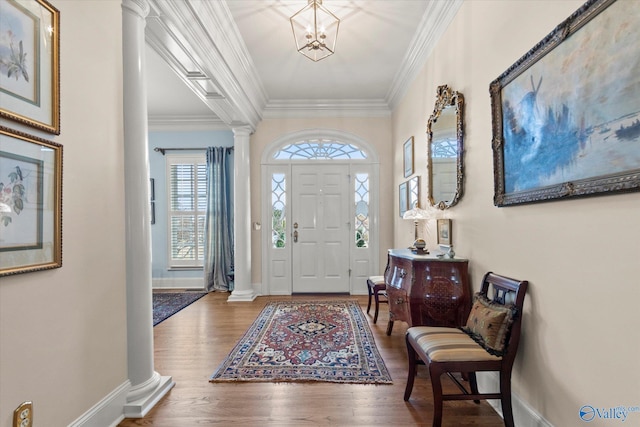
320	210
320	215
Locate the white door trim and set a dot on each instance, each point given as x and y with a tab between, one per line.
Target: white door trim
276	262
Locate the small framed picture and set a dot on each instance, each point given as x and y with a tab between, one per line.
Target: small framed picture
403	197
444	232
408	157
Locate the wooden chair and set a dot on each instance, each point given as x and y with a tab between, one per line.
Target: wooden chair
489	342
378	290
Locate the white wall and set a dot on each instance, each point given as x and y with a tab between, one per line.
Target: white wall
63	331
580	331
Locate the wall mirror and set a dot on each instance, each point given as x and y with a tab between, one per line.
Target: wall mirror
445	148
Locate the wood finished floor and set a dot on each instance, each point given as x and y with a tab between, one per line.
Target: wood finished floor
190	345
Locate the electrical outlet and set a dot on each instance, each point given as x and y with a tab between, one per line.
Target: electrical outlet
23	416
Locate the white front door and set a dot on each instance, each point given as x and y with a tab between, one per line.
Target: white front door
320	228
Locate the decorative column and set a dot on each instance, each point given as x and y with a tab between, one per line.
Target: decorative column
147	386
242	290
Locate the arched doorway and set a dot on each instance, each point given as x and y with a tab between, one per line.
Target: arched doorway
319	213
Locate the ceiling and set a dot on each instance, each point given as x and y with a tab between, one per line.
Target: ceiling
235	61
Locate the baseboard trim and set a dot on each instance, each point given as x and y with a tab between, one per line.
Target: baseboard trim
107	412
523	414
189	283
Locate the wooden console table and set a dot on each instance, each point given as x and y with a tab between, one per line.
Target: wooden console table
425	290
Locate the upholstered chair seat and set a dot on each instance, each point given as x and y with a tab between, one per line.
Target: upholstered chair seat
378	291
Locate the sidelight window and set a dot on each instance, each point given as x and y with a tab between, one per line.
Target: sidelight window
278	206
361	194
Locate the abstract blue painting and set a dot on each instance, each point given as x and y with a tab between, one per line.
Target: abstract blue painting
567	114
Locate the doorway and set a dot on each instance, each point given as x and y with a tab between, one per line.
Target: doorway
319	214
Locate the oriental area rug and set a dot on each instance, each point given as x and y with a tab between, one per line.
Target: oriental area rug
166	304
307	341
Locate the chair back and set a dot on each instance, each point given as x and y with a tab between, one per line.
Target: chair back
506	291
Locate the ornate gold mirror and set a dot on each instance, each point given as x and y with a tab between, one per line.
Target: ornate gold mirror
445	149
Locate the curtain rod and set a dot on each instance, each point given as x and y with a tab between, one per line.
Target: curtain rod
162	150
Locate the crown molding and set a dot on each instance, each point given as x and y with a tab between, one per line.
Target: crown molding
163	123
306	108
434	22
202	44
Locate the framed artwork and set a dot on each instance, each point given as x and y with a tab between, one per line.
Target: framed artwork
30	203
414	192
403	198
566	116
408	157
30	63
444	232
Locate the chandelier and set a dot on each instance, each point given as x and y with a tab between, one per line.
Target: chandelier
315	30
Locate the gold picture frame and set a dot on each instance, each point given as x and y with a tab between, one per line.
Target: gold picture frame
560	132
30	58
30	203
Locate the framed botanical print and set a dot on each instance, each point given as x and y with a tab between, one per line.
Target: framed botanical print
30	203
30	63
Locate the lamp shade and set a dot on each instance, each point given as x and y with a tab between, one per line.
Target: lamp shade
417	214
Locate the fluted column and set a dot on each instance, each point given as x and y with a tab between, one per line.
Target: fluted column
147	386
243	290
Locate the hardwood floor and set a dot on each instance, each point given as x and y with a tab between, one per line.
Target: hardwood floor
190	345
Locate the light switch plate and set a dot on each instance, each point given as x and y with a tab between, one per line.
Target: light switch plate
23	415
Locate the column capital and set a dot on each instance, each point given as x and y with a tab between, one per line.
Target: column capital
139	7
242	130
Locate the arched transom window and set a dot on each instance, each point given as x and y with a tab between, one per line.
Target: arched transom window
319	149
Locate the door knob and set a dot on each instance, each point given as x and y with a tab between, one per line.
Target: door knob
295	236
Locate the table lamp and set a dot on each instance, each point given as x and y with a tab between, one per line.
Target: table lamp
417	214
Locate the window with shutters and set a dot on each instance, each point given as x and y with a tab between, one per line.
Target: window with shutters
187	187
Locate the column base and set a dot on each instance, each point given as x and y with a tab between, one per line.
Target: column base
242	296
140	407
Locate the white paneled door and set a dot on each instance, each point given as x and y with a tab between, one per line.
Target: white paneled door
320	228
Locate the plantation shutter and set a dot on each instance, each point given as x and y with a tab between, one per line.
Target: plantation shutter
187	209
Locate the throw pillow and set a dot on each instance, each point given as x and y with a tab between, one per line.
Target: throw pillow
489	322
